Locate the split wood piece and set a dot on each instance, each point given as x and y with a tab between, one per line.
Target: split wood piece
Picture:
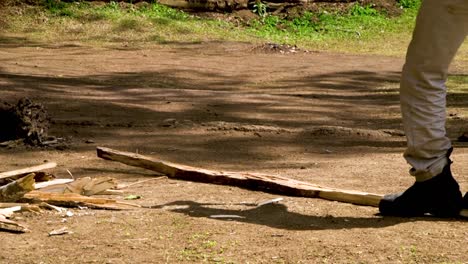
24	206
75	200
55	183
8	205
268	183
85	186
15	190
8	212
89	186
45	166
39	176
9	225
111	192
12	226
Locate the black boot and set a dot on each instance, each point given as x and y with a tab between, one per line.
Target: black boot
439	196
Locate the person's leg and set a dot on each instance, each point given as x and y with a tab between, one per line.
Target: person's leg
441	28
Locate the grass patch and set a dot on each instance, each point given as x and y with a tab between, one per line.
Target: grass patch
201	247
359	29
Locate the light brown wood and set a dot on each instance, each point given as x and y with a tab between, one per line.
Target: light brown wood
111	192
15	190
24	206
13	173
74	200
53	184
12	226
86	186
252	181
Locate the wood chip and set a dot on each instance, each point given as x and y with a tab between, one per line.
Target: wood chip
60	231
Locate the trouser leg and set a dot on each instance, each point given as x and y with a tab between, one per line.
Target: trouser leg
441	28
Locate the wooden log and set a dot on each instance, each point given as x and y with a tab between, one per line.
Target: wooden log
14	191
9	174
252	181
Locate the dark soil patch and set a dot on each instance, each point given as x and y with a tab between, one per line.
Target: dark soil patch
277	48
26	120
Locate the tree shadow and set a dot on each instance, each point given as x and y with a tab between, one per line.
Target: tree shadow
104	104
277	216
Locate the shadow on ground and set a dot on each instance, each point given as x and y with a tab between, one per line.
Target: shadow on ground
278	216
132	106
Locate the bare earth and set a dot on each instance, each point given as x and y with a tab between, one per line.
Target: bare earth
329	119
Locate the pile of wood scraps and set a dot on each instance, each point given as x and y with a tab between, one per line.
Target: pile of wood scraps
32	189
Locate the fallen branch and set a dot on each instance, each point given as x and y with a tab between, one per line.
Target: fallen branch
268	183
9	174
15	190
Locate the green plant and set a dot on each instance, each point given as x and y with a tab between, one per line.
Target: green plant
409	3
159	11
58	8
261	9
359	10
113	5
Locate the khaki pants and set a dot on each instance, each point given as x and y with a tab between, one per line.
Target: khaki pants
441	28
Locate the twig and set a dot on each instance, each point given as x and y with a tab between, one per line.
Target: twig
139	182
71	175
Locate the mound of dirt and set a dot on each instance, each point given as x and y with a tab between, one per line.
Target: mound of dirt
26	120
230	126
338	132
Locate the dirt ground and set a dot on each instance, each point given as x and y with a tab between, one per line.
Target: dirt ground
329	119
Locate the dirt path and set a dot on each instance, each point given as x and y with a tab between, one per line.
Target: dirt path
329	119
